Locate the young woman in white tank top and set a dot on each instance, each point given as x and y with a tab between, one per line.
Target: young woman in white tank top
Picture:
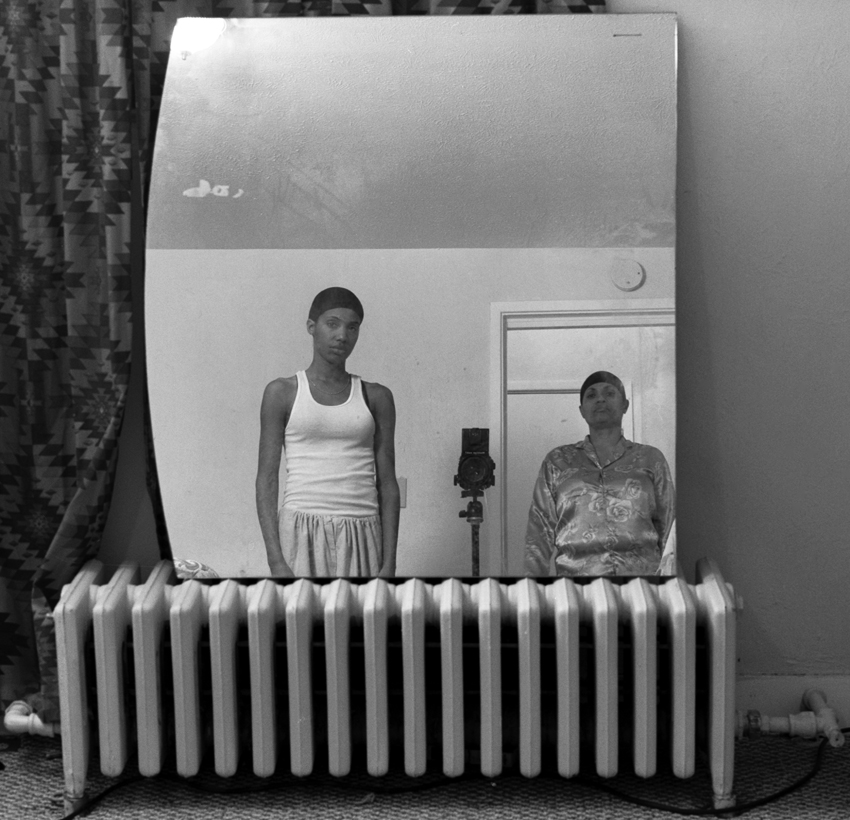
340	508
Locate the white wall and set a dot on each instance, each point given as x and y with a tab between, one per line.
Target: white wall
226	322
763	298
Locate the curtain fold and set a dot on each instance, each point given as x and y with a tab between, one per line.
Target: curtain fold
66	313
80	84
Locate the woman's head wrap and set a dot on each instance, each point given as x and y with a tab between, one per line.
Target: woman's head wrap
601	376
331	298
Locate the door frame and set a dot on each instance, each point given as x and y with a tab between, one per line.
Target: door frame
509	316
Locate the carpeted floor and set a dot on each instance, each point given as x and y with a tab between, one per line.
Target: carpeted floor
31	784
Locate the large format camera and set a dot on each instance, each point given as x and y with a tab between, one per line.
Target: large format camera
475	473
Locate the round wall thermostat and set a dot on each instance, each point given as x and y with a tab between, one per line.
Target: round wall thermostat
627	274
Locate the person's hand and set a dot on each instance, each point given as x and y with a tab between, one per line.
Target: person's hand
280	569
668	564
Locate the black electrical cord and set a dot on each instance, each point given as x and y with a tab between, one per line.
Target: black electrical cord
734	811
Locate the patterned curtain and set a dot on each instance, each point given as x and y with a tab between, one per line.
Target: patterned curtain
80	83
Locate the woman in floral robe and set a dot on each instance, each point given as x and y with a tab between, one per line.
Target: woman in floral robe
605	505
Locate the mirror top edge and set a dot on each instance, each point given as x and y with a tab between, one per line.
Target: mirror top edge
457	23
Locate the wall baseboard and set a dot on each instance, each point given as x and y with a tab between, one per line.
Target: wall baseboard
780	695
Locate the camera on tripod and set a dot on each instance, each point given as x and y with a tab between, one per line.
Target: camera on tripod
475	473
476	470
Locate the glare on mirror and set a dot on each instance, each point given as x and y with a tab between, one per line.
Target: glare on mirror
506	234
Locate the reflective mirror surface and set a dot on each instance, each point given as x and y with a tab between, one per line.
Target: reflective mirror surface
498	192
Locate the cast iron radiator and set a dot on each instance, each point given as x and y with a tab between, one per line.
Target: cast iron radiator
458	675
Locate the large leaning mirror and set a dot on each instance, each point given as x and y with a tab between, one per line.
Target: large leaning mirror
498	192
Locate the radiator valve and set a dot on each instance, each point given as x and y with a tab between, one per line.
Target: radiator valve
818	720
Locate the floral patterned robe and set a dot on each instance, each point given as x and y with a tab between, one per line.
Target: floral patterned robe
595	519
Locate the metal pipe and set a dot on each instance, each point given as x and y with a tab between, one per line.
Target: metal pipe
818	720
815	700
21	720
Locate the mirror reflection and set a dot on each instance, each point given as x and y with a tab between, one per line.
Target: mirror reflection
505	232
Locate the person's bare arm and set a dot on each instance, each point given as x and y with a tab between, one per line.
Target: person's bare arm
274	413
389	501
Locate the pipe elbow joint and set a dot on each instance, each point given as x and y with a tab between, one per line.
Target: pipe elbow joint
20	719
827	720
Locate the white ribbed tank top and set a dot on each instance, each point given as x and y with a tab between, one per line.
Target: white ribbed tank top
330	455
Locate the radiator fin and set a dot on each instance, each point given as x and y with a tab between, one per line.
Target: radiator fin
299	640
451	656
490	678
528	638
111	617
149	617
566	606
375	617
681	617
717	605
642	606
413	651
605	614
338	615
73	617
264	613
189	613
225	606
